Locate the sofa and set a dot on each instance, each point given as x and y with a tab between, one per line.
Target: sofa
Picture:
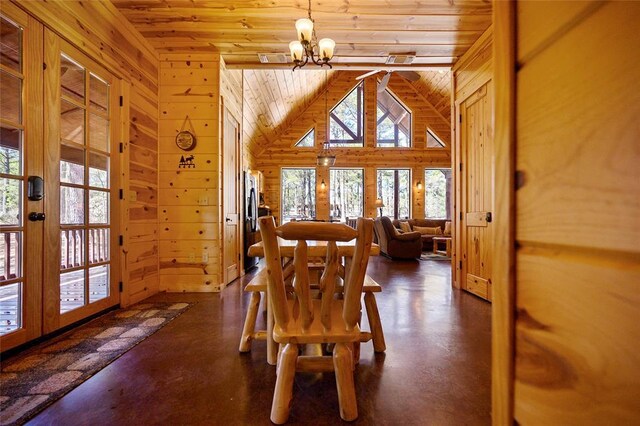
427	239
394	244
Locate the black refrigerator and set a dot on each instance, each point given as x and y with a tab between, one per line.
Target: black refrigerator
250	211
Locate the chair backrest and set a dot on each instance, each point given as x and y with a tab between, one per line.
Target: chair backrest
279	272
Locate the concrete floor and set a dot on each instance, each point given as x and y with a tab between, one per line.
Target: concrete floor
436	370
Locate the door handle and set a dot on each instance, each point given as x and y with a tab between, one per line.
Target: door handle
489	218
228	219
35	217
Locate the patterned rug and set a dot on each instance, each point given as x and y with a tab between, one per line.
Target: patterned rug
427	255
37	377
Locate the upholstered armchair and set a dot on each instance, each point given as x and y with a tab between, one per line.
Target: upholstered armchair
394	244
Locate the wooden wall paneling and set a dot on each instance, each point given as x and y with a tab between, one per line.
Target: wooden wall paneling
189	229
577	151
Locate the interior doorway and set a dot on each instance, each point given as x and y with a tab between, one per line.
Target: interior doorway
231	189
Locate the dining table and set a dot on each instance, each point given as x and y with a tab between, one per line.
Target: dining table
315	250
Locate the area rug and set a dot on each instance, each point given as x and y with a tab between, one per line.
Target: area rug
32	380
427	255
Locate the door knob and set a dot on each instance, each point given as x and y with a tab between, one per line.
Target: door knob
228	219
489	217
34	217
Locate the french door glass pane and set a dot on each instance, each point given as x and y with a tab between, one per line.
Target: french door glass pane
11	97
98	94
98	282
71	122
99	132
10	304
99	245
10	201
98	207
72	79
71	205
71	248
71	290
11	46
10	151
98	170
71	164
10	250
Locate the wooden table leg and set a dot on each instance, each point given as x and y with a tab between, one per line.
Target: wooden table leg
435	247
449	247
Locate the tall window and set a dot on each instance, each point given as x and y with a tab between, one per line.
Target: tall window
308	140
437	193
394	189
298	195
346	196
394	122
347	119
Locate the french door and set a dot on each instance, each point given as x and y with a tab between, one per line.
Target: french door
57	181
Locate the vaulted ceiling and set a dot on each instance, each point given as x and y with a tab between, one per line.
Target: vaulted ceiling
365	31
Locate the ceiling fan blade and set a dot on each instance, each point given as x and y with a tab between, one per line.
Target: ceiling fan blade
360	77
409	75
384	82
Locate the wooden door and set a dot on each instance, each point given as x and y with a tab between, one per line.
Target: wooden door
231	142
476	144
20	158
80	242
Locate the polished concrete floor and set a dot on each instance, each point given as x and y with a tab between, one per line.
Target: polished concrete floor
436	370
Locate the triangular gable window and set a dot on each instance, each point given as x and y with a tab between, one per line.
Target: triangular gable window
347	120
433	141
308	140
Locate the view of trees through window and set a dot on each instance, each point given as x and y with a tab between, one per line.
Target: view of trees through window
394	122
346	196
10	164
394	189
347	119
308	140
437	193
298	194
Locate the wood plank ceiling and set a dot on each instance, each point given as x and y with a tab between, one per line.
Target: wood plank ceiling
366	32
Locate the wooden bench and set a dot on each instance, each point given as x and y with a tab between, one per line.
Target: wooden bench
258	285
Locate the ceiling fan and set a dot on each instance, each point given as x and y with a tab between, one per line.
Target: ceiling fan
407	75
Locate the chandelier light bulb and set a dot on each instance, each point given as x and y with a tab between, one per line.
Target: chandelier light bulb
326	47
304	27
296	50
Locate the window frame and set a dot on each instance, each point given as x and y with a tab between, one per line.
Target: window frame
396	126
360	137
363	186
314	205
396	190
